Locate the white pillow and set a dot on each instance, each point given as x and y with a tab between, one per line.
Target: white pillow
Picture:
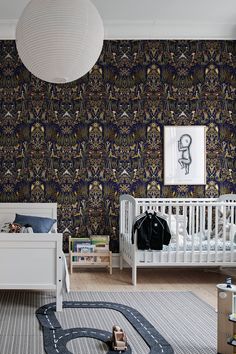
182	232
221	225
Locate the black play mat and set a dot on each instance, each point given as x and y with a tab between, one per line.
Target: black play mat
56	339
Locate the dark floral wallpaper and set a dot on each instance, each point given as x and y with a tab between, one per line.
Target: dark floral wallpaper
85	143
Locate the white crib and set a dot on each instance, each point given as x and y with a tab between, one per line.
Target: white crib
203	232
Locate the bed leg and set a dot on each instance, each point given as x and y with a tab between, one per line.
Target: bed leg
59	294
59	301
59	278
134	275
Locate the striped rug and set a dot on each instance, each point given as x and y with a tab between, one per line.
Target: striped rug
185	321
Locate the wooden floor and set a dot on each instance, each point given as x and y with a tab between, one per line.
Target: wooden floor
202	283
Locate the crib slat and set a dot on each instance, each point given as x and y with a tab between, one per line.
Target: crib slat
125	224
145	256
193	219
201	231
169	223
124	215
193	232
190	220
161	256
216	231
185	230
232	231
128	216
209	228
134	260
224	232
177	234
154	257
197	218
130	221
203	217
162	209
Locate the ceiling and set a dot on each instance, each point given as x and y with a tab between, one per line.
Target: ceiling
148	19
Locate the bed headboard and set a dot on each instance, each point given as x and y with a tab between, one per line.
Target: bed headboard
8	211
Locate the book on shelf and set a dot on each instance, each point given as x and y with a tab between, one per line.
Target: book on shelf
75	242
81	240
100	239
83	248
77	248
78	244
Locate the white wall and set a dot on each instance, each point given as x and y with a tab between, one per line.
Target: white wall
148	19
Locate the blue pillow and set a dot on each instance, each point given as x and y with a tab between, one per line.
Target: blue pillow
39	224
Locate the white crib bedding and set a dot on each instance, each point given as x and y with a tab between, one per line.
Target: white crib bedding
214	245
201	241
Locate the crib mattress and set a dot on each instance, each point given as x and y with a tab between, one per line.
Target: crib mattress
214	245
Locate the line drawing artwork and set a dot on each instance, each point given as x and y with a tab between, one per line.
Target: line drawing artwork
184	144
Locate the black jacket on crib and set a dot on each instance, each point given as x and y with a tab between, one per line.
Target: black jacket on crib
152	231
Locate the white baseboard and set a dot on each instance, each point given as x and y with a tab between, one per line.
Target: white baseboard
115	260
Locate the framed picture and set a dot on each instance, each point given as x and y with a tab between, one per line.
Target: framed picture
184	155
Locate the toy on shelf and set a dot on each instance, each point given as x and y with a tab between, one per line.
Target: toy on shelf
226	338
119	339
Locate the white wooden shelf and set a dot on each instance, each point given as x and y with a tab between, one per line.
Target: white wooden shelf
99	258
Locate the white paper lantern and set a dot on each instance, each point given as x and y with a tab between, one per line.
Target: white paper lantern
59	40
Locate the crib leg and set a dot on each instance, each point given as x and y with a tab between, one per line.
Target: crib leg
121	262
134	275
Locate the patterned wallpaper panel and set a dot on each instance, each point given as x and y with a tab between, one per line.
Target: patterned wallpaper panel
85	143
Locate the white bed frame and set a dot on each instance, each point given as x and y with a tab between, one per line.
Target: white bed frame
196	216
31	261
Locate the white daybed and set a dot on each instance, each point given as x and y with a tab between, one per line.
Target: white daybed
203	232
31	261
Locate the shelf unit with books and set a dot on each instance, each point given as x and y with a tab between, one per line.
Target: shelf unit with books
90	252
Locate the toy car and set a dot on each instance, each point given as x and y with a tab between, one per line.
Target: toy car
119	339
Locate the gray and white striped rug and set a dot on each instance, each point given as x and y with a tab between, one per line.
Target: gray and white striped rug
185	321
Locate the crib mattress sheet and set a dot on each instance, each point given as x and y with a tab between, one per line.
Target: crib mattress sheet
214	245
